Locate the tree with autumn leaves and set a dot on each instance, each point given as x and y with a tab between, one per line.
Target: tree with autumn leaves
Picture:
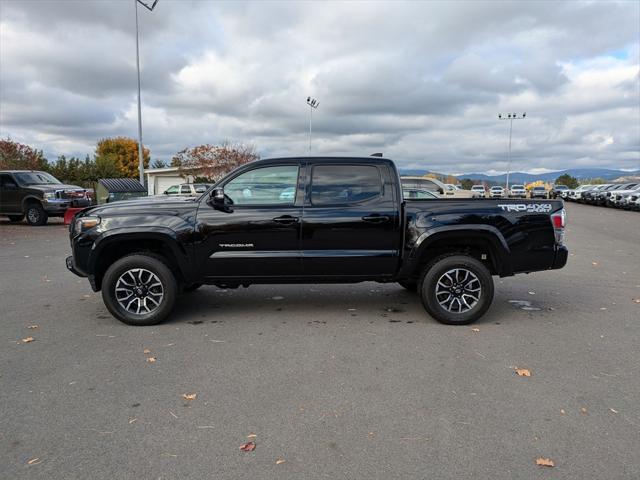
213	162
123	153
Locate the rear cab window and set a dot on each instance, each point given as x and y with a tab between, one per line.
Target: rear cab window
344	184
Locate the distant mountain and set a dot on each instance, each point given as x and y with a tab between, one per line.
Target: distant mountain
579	173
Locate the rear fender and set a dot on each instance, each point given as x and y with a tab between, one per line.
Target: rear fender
461	235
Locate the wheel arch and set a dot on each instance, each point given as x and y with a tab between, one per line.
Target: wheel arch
483	242
114	245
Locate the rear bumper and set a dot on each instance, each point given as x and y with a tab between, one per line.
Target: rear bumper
560	259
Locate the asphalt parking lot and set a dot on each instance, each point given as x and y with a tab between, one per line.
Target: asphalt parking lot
340	382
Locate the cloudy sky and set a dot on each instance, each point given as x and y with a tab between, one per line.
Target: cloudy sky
421	82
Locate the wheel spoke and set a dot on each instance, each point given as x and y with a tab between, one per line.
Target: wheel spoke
458	290
139	291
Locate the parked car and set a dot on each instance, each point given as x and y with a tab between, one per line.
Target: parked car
415	194
434	185
348	223
575	193
187	189
620	196
517	191
598	197
478	191
590	195
496	192
37	196
558	191
538	192
608	196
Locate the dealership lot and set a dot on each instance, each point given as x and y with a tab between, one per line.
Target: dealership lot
338	381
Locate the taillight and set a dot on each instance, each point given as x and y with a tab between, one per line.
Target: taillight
558	221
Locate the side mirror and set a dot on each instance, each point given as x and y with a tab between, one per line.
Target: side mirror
217	195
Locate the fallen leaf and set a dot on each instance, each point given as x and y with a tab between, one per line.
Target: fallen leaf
613	410
32	327
562	411
532	293
594	263
28	340
132	420
248	447
545	462
33	461
475	329
583	411
280	461
523	372
189	396
146	350
636	300
151	359
252	435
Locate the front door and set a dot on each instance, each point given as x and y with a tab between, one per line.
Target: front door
351	223
257	233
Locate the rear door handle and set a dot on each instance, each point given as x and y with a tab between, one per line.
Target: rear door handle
286	219
376	218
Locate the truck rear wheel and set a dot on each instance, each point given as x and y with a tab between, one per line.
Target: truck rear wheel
36	215
139	290
456	289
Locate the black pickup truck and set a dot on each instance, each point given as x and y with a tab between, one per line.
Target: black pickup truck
312	220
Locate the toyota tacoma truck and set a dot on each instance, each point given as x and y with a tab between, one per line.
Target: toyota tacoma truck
312	220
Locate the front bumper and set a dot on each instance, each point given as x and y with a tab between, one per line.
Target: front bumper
58	207
71	266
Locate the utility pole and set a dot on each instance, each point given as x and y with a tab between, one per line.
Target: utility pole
511	117
140	148
313	104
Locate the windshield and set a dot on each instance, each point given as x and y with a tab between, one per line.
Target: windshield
477	187
36	178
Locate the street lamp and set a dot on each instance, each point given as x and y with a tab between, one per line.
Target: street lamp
140	150
511	117
313	104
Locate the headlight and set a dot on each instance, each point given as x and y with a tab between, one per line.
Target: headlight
83	224
49	195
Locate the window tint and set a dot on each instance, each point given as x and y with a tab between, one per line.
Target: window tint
421	183
336	184
264	186
201	188
185	189
7	182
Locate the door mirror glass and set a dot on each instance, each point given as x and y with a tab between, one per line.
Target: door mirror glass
217	195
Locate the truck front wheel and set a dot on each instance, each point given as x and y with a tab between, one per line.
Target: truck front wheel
36	215
139	290
456	289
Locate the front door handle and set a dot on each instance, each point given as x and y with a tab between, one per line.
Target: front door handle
286	219
376	218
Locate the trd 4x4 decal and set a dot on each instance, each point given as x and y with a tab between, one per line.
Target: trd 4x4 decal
527	207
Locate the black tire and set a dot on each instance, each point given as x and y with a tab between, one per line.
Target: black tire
191	287
151	264
36	215
436	271
410	285
15	218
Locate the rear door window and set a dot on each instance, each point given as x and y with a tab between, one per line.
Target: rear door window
344	184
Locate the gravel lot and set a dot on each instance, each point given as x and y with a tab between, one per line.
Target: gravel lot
340	382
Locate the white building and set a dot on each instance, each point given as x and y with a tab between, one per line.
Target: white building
159	179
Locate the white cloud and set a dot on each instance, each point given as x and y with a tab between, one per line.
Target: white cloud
420	81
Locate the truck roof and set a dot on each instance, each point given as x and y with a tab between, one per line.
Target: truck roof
323	159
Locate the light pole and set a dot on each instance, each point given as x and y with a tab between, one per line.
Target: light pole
313	104
511	117
140	149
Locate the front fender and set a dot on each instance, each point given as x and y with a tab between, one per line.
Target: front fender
168	237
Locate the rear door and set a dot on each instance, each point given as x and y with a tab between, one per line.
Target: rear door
258	234
9	197
351	221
